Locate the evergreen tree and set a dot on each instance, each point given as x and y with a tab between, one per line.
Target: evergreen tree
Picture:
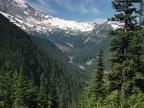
126	71
97	76
87	99
20	91
43	93
6	85
53	97
32	93
94	91
17	46
62	100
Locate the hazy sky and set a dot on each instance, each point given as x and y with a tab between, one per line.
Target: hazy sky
80	10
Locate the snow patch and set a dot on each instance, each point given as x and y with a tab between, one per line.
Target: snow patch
69	44
63	48
71	59
5	14
115	25
86	40
89	62
44	23
73	25
21	3
82	67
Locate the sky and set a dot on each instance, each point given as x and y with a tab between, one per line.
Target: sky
91	11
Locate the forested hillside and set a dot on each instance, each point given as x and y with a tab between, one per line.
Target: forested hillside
50	48
123	85
29	78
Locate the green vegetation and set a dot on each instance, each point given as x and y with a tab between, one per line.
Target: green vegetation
26	72
30	78
122	85
49	48
95	89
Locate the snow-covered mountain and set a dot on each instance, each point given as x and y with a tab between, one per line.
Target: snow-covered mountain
29	19
80	41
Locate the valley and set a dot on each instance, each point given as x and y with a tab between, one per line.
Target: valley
47	61
76	39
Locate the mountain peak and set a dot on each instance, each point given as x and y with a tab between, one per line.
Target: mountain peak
21	3
115	25
31	20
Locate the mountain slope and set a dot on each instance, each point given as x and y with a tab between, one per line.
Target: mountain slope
31	20
49	48
17	46
78	41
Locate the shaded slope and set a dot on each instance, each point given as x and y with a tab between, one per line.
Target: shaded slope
17	46
49	48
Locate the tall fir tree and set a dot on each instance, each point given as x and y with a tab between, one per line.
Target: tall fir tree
42	98
6	85
97	76
32	93
20	91
126	73
63	103
95	89
53	96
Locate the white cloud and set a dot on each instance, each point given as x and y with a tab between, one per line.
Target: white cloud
84	8
80	6
42	6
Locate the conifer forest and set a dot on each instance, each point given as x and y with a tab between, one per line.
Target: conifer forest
32	78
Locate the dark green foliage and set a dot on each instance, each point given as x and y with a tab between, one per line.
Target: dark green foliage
17	46
50	48
95	90
63	103
127	49
98	76
126	72
42	98
125	79
32	93
6	85
16	92
53	96
20	91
